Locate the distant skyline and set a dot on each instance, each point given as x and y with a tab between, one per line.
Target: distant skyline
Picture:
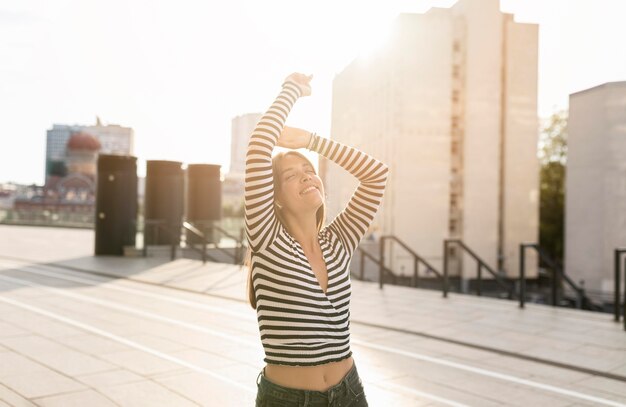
178	72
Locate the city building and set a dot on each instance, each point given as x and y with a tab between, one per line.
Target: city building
78	184
242	127
113	139
56	145
450	104
68	194
595	185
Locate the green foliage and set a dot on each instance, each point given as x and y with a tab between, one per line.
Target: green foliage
553	139
553	157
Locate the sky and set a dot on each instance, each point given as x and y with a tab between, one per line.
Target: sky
177	72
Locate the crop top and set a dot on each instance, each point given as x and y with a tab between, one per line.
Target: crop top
299	324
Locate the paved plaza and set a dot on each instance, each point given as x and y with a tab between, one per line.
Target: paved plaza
80	330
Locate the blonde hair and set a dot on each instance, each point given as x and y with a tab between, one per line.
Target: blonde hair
320	216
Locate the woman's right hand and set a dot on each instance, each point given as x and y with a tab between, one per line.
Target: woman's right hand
302	80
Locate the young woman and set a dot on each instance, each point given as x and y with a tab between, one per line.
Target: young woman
299	281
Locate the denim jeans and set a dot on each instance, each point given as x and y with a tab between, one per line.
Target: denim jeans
347	393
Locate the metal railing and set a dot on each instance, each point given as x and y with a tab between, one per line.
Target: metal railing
382	269
417	259
155	226
617	296
481	264
198	234
557	275
200	230
209	227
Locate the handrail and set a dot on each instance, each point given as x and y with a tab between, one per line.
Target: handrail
552	264
481	264
382	267
581	297
616	293
417	258
191	228
159	224
239	241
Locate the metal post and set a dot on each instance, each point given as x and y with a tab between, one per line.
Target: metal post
580	294
522	282
415	271
445	268
554	277
480	267
616	294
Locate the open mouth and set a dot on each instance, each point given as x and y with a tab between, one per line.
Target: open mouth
308	190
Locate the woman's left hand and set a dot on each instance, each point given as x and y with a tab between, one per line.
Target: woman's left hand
293	137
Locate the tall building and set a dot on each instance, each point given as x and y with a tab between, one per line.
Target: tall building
595	184
450	104
114	139
56	145
241	128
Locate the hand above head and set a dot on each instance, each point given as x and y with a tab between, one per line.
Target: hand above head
302	80
293	137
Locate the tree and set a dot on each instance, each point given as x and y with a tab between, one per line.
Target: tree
553	158
553	139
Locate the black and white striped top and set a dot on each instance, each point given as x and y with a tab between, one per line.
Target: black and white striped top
300	325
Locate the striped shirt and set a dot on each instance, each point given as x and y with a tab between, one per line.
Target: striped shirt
299	324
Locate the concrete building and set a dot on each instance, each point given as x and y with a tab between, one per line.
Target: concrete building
56	145
450	103
595	184
78	184
242	127
114	139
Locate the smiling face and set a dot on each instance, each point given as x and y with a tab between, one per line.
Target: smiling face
298	188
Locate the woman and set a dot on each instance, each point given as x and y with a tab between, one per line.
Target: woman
299	281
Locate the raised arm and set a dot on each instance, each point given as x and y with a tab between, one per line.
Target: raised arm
261	224
354	220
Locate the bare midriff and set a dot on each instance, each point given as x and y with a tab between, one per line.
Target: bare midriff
320	378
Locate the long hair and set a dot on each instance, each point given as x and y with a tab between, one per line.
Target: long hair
320	216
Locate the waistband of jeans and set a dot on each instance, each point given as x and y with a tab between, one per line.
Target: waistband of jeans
350	379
